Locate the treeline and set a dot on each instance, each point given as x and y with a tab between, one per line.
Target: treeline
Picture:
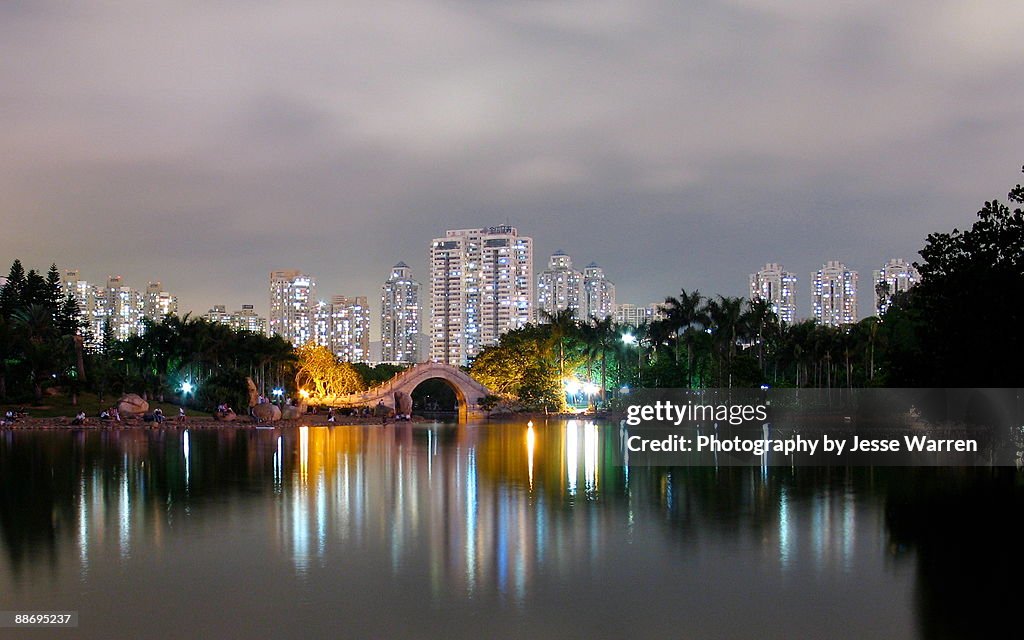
44	350
959	327
41	333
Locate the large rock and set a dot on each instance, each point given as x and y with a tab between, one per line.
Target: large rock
250	387
132	405
266	412
291	412
403	403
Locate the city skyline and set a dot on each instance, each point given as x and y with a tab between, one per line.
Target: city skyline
786	132
372	340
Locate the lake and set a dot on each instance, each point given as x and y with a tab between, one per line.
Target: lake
489	530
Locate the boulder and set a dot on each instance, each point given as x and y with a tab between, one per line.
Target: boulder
403	403
224	416
266	412
291	412
250	387
131	405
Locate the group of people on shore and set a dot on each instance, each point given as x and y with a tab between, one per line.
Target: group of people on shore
12	416
112	414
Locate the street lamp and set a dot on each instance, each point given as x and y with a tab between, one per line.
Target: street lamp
630	339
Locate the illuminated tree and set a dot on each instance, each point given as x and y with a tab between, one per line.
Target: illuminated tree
320	373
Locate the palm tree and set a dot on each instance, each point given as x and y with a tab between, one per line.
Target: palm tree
601	337
763	323
729	325
38	343
563	325
684	317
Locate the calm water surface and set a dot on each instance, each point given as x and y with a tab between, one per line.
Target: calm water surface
488	531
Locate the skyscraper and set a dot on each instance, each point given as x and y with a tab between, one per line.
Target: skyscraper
776	286
636	315
895	276
291	293
158	303
349	328
123	308
481	285
834	294
245	319
559	287
400	316
598	293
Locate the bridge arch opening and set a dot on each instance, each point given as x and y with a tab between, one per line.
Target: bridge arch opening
439	396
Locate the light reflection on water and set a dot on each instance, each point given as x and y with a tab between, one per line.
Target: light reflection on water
512	524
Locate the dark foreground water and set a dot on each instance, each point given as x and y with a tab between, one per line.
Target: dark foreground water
490	531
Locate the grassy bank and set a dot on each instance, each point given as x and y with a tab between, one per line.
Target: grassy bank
61	407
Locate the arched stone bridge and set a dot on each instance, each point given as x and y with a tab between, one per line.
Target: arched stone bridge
467	390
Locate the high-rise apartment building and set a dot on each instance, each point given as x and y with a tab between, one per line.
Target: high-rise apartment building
245	319
635	315
834	294
124	308
291	296
481	285
349	332
598	293
400	316
116	304
776	286
895	276
158	303
559	287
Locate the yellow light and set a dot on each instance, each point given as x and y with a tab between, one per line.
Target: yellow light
303	393
531	442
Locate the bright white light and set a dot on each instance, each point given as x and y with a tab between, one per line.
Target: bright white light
572	387
187	387
278	392
629	338
590	388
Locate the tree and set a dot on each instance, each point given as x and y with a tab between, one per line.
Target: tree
522	366
728	325
684	317
10	293
37	344
563	325
322	376
966	311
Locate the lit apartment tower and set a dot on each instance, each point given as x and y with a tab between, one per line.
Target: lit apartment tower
124	308
598	293
896	276
635	315
244	319
481	285
400	316
834	294
291	293
158	303
350	328
559	287
91	305
218	314
776	286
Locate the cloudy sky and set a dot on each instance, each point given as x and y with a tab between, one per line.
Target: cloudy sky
679	144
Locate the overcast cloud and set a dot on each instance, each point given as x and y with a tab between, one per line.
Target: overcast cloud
678	144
